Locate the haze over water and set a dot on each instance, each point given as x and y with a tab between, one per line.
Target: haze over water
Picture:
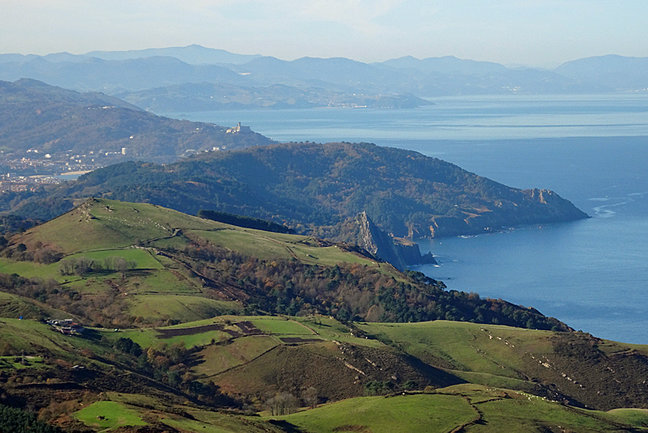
592	150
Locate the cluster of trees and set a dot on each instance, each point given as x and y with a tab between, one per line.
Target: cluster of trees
10	224
32	288
377	387
19	421
351	292
83	266
171	364
284	403
39	253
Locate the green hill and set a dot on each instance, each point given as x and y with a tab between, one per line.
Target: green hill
315	188
197	376
462	408
117	264
178	337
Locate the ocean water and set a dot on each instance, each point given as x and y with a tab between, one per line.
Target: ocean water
591	149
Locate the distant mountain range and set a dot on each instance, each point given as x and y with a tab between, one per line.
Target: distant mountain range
615	72
215	96
227	80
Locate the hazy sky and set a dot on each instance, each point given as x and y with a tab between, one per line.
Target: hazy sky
530	32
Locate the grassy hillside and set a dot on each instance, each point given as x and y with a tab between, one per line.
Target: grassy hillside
465	408
575	367
186	331
357	382
121	264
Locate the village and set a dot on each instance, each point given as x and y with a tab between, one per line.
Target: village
34	168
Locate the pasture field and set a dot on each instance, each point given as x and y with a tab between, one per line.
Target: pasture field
467	408
187	307
141	258
138	259
432	413
270	246
281	326
160	281
219	358
31	269
190	419
329	328
461	345
634	417
109	415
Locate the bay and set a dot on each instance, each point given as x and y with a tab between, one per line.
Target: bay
591	149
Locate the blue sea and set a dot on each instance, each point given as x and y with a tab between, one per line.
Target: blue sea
591	149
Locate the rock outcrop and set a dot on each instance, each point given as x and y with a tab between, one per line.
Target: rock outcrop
363	232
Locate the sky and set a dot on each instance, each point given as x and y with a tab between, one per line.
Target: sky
541	33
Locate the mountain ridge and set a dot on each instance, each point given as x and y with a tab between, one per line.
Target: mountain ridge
143	70
308	185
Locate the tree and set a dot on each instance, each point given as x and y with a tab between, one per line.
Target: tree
310	396
47	255
126	345
283	403
121	265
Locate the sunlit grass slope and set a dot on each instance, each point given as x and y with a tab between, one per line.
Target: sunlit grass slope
466	408
157	285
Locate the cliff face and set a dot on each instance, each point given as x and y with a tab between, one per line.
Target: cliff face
399	252
538	206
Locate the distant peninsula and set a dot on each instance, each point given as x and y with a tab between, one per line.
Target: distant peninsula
314	188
